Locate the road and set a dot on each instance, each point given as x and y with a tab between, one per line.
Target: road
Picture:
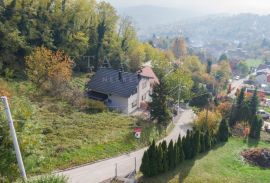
235	84
103	170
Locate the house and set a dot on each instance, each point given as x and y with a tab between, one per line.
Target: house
122	91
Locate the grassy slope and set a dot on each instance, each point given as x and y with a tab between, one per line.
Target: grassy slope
60	136
254	62
222	164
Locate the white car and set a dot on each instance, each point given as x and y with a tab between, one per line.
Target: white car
237	77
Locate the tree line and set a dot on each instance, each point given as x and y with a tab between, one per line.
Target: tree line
245	110
163	157
78	28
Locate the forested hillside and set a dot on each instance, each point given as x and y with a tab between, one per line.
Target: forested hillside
79	28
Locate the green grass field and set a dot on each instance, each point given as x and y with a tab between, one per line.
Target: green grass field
60	136
222	164
254	62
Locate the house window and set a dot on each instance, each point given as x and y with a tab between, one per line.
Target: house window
143	97
134	104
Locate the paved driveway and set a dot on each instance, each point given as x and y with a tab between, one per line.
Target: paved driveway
106	169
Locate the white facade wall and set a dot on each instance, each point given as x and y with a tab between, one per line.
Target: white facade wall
126	105
118	103
261	79
144	89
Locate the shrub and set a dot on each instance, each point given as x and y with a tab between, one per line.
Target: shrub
208	121
94	106
5	89
48	179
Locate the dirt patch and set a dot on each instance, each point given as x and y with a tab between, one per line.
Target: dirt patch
258	157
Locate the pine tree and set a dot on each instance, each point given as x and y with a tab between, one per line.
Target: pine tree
202	139
255	127
175	154
171	156
223	131
188	145
145	166
209	66
181	155
158	107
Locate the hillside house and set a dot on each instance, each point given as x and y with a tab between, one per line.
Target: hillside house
122	91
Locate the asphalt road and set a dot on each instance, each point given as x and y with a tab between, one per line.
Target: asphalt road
106	169
235	85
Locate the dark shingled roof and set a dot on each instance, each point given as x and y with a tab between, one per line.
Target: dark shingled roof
107	81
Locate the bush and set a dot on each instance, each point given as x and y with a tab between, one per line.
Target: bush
94	106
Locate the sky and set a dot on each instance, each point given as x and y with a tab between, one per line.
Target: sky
211	6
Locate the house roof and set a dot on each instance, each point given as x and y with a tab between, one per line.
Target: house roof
109	81
148	72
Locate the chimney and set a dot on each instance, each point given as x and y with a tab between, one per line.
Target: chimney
120	75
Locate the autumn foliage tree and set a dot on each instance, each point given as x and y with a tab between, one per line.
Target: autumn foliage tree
48	69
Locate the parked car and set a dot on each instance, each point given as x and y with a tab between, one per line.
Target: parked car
237	77
265	115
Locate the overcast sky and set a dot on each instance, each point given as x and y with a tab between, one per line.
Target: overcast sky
211	6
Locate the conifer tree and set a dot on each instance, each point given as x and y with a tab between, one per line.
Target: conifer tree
158	107
255	127
202	139
207	140
159	159
145	166
196	142
153	164
171	156
253	105
165	161
188	143
175	154
184	147
223	131
181	155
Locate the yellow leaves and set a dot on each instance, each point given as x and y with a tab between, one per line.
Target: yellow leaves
4	89
45	66
211	120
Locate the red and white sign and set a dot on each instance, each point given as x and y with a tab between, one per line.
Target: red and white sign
137	132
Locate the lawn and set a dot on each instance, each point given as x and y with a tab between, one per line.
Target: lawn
254	62
60	136
222	164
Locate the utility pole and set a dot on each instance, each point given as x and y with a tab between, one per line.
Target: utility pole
14	138
179	90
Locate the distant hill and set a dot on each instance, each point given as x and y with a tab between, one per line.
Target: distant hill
241	28
146	16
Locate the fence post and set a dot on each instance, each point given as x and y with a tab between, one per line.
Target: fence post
115	169
14	138
135	165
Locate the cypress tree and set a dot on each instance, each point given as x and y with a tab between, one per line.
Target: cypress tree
253	105
223	131
152	153
171	155
175	154
165	161
159	159
196	142
207	140
184	147
181	155
187	147
202	139
255	127
145	166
